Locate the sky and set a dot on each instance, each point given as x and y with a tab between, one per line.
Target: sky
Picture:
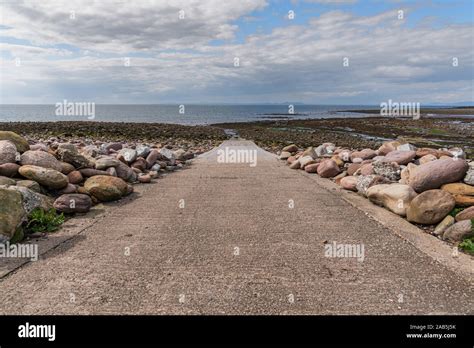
236	51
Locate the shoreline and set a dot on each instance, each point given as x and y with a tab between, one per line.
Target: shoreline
271	134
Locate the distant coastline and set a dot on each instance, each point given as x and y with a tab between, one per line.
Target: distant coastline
207	114
430	111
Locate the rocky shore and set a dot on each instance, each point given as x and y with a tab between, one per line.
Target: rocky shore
70	174
427	186
363	132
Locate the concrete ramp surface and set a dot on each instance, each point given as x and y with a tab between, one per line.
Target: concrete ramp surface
226	237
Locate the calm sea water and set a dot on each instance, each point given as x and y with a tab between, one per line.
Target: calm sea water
193	114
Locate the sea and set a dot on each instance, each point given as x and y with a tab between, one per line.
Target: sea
177	114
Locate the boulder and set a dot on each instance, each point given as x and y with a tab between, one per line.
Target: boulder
457	152
7	152
352	168
349	183
463	194
32	200
430	207
143	151
188	155
466	214
105	162
9	169
39	147
464	200
434	174
73	203
364	182
443	225
20	143
459	231
168	154
66	168
325	149
70	188
426	151
365	169
310	151
106	188
311	168
399	157
468	179
284	155
364	154
126	173
156	167
337	179
144	179
130	155
338	160
290	148
459	189
40	159
12	213
140	163
406	147
305	160
90	151
388	147
295	165
7	181
394	197
389	170
345	155
161	164
406	172
88	172
427	158
69	154
328	169
112	171
75	177
29	184
47	177
113	147
152	158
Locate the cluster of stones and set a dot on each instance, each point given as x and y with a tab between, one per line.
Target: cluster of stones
72	177
422	184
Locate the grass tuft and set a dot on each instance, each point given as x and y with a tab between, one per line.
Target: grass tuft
44	221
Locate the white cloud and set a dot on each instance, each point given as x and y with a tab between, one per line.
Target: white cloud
122	26
173	61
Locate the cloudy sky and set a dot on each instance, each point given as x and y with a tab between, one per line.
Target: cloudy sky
236	51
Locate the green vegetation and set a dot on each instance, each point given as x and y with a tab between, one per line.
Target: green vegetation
44	221
456	211
436	131
468	243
